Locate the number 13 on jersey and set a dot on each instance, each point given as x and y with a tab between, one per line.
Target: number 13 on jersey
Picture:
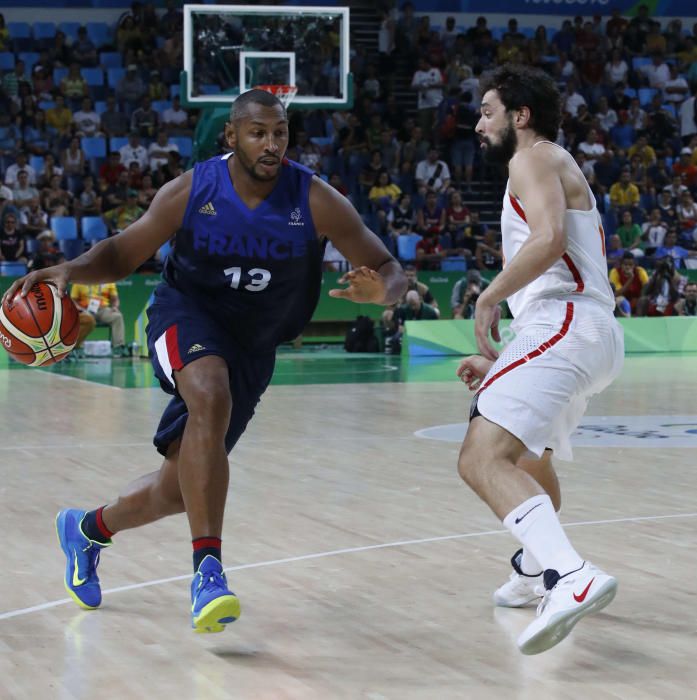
260	278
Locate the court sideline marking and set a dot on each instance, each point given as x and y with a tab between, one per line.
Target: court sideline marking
319	555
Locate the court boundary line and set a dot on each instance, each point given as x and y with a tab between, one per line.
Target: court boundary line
91	382
331	553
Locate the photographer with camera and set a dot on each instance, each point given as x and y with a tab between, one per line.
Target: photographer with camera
661	292
465	294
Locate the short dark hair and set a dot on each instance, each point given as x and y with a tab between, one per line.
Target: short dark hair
627	256
260	97
522	86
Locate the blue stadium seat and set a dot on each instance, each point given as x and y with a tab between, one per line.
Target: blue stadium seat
12	269
498	32
31	246
93	228
115	143
639	62
70	29
58	75
646	95
453	264
161	105
670	108
528	32
100	33
99	106
406	246
65	227
30	59
44	30
321	141
173	91
71	247
185	145
114	75
20	36
46	104
94	146
630	93
93	76
19	30
36	162
7	60
111	59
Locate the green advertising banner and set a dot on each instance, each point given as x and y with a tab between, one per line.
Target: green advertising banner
444	337
673	334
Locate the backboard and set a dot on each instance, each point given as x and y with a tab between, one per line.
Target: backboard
229	49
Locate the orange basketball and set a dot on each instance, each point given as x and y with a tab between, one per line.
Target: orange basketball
41	328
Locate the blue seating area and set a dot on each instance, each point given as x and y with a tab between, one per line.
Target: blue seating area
64	227
93	228
406	246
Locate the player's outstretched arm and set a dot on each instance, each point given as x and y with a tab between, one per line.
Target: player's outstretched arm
377	277
116	257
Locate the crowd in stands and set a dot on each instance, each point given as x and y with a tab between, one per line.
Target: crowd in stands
91	125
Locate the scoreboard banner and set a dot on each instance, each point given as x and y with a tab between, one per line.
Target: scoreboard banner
515	8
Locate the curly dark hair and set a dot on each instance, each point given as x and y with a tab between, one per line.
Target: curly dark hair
522	86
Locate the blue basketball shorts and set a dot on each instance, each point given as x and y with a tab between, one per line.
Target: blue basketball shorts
179	331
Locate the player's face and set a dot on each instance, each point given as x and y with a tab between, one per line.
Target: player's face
260	140
496	131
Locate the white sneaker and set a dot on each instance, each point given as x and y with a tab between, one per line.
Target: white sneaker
520	589
566	600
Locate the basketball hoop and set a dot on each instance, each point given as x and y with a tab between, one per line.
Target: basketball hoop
285	93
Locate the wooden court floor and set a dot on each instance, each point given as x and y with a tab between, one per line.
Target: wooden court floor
364	566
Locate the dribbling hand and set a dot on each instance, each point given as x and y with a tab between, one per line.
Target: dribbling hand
57	275
365	286
472	370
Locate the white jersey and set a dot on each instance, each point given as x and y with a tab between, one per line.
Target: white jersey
582	270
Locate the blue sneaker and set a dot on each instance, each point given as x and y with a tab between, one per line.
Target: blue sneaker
82	555
213	605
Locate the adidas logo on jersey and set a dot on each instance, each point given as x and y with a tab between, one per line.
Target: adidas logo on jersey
296	218
195	348
208	209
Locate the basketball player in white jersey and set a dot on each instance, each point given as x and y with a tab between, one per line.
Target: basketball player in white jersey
568	347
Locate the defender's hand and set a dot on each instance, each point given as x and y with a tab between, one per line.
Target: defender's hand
365	286
472	370
486	317
59	275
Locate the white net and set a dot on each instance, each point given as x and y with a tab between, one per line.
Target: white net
285	93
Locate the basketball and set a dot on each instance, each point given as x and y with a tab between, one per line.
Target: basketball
41	328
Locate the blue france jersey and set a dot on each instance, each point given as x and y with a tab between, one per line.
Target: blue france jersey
258	272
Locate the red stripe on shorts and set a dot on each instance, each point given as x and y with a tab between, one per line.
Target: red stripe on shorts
539	349
172	343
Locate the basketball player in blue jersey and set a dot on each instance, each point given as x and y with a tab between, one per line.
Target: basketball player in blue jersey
244	276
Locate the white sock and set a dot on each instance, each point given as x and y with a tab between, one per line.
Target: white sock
536	526
528	564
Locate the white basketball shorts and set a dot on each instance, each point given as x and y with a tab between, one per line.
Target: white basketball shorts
564	352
